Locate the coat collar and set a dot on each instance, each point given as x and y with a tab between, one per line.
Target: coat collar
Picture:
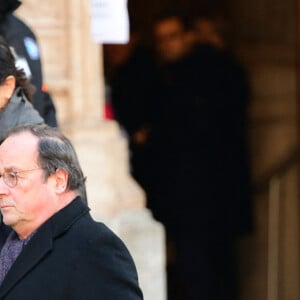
42	243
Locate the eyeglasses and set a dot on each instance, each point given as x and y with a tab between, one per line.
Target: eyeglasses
11	178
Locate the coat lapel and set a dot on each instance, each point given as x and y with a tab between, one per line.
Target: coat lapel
40	244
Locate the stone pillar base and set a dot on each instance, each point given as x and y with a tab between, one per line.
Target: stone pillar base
145	239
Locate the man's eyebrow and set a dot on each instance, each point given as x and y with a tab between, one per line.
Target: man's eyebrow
11	168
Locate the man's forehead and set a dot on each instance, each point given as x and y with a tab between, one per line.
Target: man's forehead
21	144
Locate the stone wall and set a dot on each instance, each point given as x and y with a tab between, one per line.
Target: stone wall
265	41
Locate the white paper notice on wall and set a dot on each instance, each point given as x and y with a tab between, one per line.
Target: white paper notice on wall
109	21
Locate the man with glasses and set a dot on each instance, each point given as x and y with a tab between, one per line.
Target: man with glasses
55	249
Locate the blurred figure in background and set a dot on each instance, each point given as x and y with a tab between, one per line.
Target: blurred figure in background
198	163
16	94
27	53
130	77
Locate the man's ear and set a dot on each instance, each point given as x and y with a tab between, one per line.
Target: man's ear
9	86
61	180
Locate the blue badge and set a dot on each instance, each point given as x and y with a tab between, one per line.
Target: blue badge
32	48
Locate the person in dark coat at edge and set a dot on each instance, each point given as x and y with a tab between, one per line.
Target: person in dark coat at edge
23	40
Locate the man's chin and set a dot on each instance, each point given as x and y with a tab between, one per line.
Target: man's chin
8	220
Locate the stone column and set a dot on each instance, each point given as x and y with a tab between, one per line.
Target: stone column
264	32
72	66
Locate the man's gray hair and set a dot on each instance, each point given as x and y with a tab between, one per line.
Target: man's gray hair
55	151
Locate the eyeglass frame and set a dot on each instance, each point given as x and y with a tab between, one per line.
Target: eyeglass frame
14	175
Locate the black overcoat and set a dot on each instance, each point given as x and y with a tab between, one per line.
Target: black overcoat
72	257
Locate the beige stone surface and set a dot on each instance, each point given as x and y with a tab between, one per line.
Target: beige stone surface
103	154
